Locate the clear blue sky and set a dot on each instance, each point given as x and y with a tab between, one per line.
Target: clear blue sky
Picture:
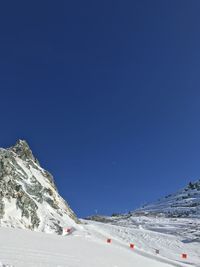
107	93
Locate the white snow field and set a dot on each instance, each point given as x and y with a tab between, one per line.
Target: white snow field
87	246
171	237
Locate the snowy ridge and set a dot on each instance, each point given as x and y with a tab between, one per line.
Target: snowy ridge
28	196
184	203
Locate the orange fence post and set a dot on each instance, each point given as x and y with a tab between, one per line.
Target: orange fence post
184	256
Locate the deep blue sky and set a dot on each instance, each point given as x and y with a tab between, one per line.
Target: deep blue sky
107	93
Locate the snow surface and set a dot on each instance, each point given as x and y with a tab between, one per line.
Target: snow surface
87	247
171	236
184	203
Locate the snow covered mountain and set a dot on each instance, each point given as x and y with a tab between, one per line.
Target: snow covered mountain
184	203
28	195
161	232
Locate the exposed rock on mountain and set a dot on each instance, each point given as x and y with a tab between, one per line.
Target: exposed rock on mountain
28	195
184	203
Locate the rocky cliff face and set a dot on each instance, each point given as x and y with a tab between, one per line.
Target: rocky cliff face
28	195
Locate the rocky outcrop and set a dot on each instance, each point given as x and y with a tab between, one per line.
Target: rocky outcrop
184	203
28	195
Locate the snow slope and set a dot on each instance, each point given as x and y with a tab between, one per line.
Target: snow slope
184	203
171	236
171	226
29	200
85	247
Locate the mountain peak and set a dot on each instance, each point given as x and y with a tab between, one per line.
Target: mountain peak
22	142
22	149
28	196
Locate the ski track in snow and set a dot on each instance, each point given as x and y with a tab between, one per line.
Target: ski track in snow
24	183
87	247
170	243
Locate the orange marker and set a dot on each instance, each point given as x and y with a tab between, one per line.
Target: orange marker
184	256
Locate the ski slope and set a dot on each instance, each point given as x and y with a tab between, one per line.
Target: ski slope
85	247
172	237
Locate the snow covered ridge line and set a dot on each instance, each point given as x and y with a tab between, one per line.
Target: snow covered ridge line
184	203
28	196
